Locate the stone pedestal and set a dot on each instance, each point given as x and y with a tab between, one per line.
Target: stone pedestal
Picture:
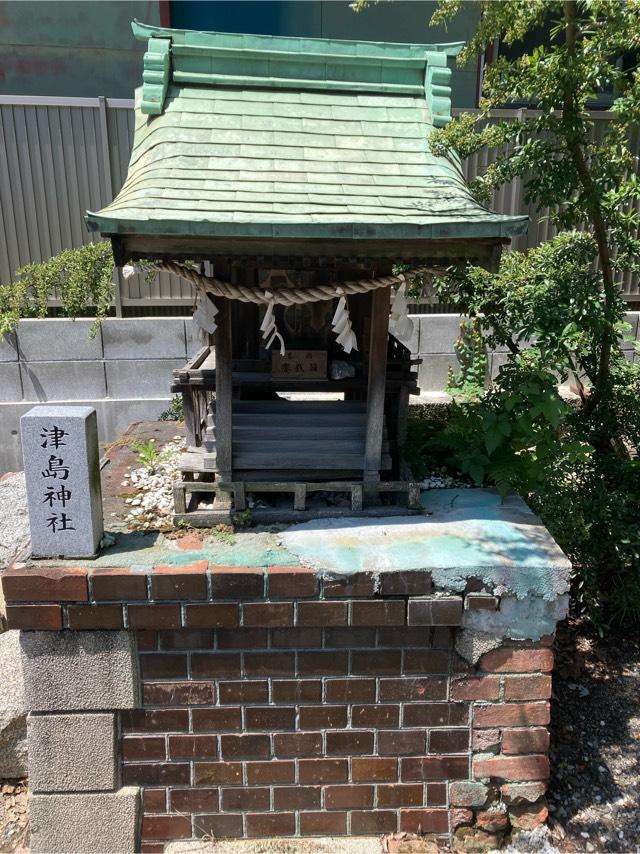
62	471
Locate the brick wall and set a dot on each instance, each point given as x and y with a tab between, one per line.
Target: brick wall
277	702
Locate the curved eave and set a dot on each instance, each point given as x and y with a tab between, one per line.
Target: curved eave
498	229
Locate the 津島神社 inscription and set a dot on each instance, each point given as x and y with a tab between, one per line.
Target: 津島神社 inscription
62	471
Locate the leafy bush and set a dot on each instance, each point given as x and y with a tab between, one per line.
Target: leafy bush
79	278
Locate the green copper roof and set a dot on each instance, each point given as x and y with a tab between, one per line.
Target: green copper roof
261	136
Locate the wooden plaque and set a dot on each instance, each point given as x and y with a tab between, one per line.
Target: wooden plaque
299	364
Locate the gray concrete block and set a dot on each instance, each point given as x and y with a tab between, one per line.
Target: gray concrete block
497	360
144	338
97	823
77	671
438	332
193	341
631	317
58	339
9	348
63	381
62	471
434	371
10	381
72	753
114	416
134	379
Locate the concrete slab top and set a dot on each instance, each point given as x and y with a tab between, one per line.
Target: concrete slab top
317	845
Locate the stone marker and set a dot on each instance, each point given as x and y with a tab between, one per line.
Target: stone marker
62	472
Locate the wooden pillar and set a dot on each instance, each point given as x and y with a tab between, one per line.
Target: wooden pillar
224	394
378	343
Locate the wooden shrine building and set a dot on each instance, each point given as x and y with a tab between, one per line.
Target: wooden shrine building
287	178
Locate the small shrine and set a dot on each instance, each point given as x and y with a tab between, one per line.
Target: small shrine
290	180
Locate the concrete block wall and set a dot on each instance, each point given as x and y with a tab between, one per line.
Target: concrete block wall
125	371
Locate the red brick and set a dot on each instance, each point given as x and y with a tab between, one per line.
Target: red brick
529	740
449	741
269	663
266	773
267	614
375	716
163	666
349	638
154	616
217	720
511	714
271	824
189	543
509	660
220	615
401	795
155	720
329	663
374	769
297	744
217	773
373	821
270	718
178	693
435	611
152	848
434	768
154	800
147	640
194	800
346	742
193	746
292	582
118	584
413	688
481	602
436	794
436	714
512	768
244	692
476	688
44	617
406	583
296	797
166	827
214	665
180	582
424	821
242	639
186	639
219	826
298	691
323	823
138	747
245	746
82	617
426	661
240	800
350	690
485	740
323	770
377	662
304	637
378	612
237	582
527	687
348	797
356	584
45	584
402	742
442	637
156	774
322	614
322	717
403	636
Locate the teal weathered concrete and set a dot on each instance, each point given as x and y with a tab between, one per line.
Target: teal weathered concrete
467	533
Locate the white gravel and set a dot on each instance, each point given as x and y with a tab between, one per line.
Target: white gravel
14	521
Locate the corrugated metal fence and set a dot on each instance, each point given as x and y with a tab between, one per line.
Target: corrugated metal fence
62	156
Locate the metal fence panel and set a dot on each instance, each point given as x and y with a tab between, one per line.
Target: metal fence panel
62	156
